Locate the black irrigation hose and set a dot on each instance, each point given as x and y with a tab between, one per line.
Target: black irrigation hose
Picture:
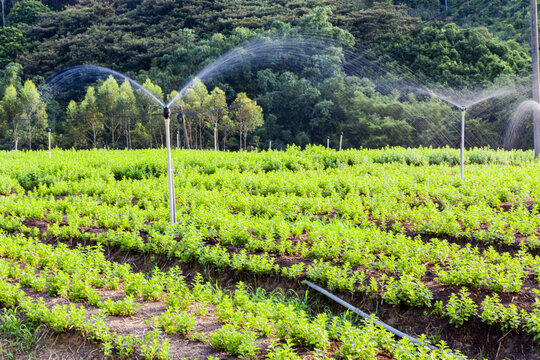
369	317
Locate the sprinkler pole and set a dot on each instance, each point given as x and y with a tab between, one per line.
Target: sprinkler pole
215	138
535	76
49	143
270	146
177	139
463	109
327	142
172	200
340	140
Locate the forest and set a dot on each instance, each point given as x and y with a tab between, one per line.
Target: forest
454	45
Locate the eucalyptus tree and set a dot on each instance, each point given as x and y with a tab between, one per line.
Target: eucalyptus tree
107	99
127	109
11	114
76	128
34	114
88	114
248	116
147	107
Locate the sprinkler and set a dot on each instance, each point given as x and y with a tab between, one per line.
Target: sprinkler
49	129
172	200
215	138
462	152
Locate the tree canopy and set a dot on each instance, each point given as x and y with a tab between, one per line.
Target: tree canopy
299	96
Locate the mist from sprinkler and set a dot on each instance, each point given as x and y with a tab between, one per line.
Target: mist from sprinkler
465	101
288	49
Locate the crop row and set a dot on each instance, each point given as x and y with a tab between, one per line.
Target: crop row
495	206
247	318
354	222
400	271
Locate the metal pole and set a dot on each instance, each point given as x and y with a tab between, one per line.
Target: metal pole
328	142
172	200
340	140
215	138
270	146
177	139
535	71
49	143
462	140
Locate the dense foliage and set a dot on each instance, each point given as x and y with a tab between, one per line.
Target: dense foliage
394	227
169	42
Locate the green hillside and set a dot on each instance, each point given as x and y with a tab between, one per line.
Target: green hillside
168	41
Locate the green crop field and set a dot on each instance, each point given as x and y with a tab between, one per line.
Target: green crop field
87	254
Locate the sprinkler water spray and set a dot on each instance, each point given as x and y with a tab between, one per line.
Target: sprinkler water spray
170	168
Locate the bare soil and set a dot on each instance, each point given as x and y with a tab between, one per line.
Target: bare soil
475	338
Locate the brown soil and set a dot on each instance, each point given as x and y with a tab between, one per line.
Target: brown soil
69	345
474	338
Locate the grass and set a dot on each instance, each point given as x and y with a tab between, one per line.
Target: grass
18	336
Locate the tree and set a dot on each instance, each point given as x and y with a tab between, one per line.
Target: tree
450	55
26	11
11	44
12	113
126	109
227	127
318	21
11	75
381	22
193	102
248	116
147	108
88	112
58	4
33	112
107	100
216	108
77	128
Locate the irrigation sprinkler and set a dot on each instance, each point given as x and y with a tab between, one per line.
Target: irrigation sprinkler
49	130
327	142
177	139
215	138
270	146
340	140
172	200
463	110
